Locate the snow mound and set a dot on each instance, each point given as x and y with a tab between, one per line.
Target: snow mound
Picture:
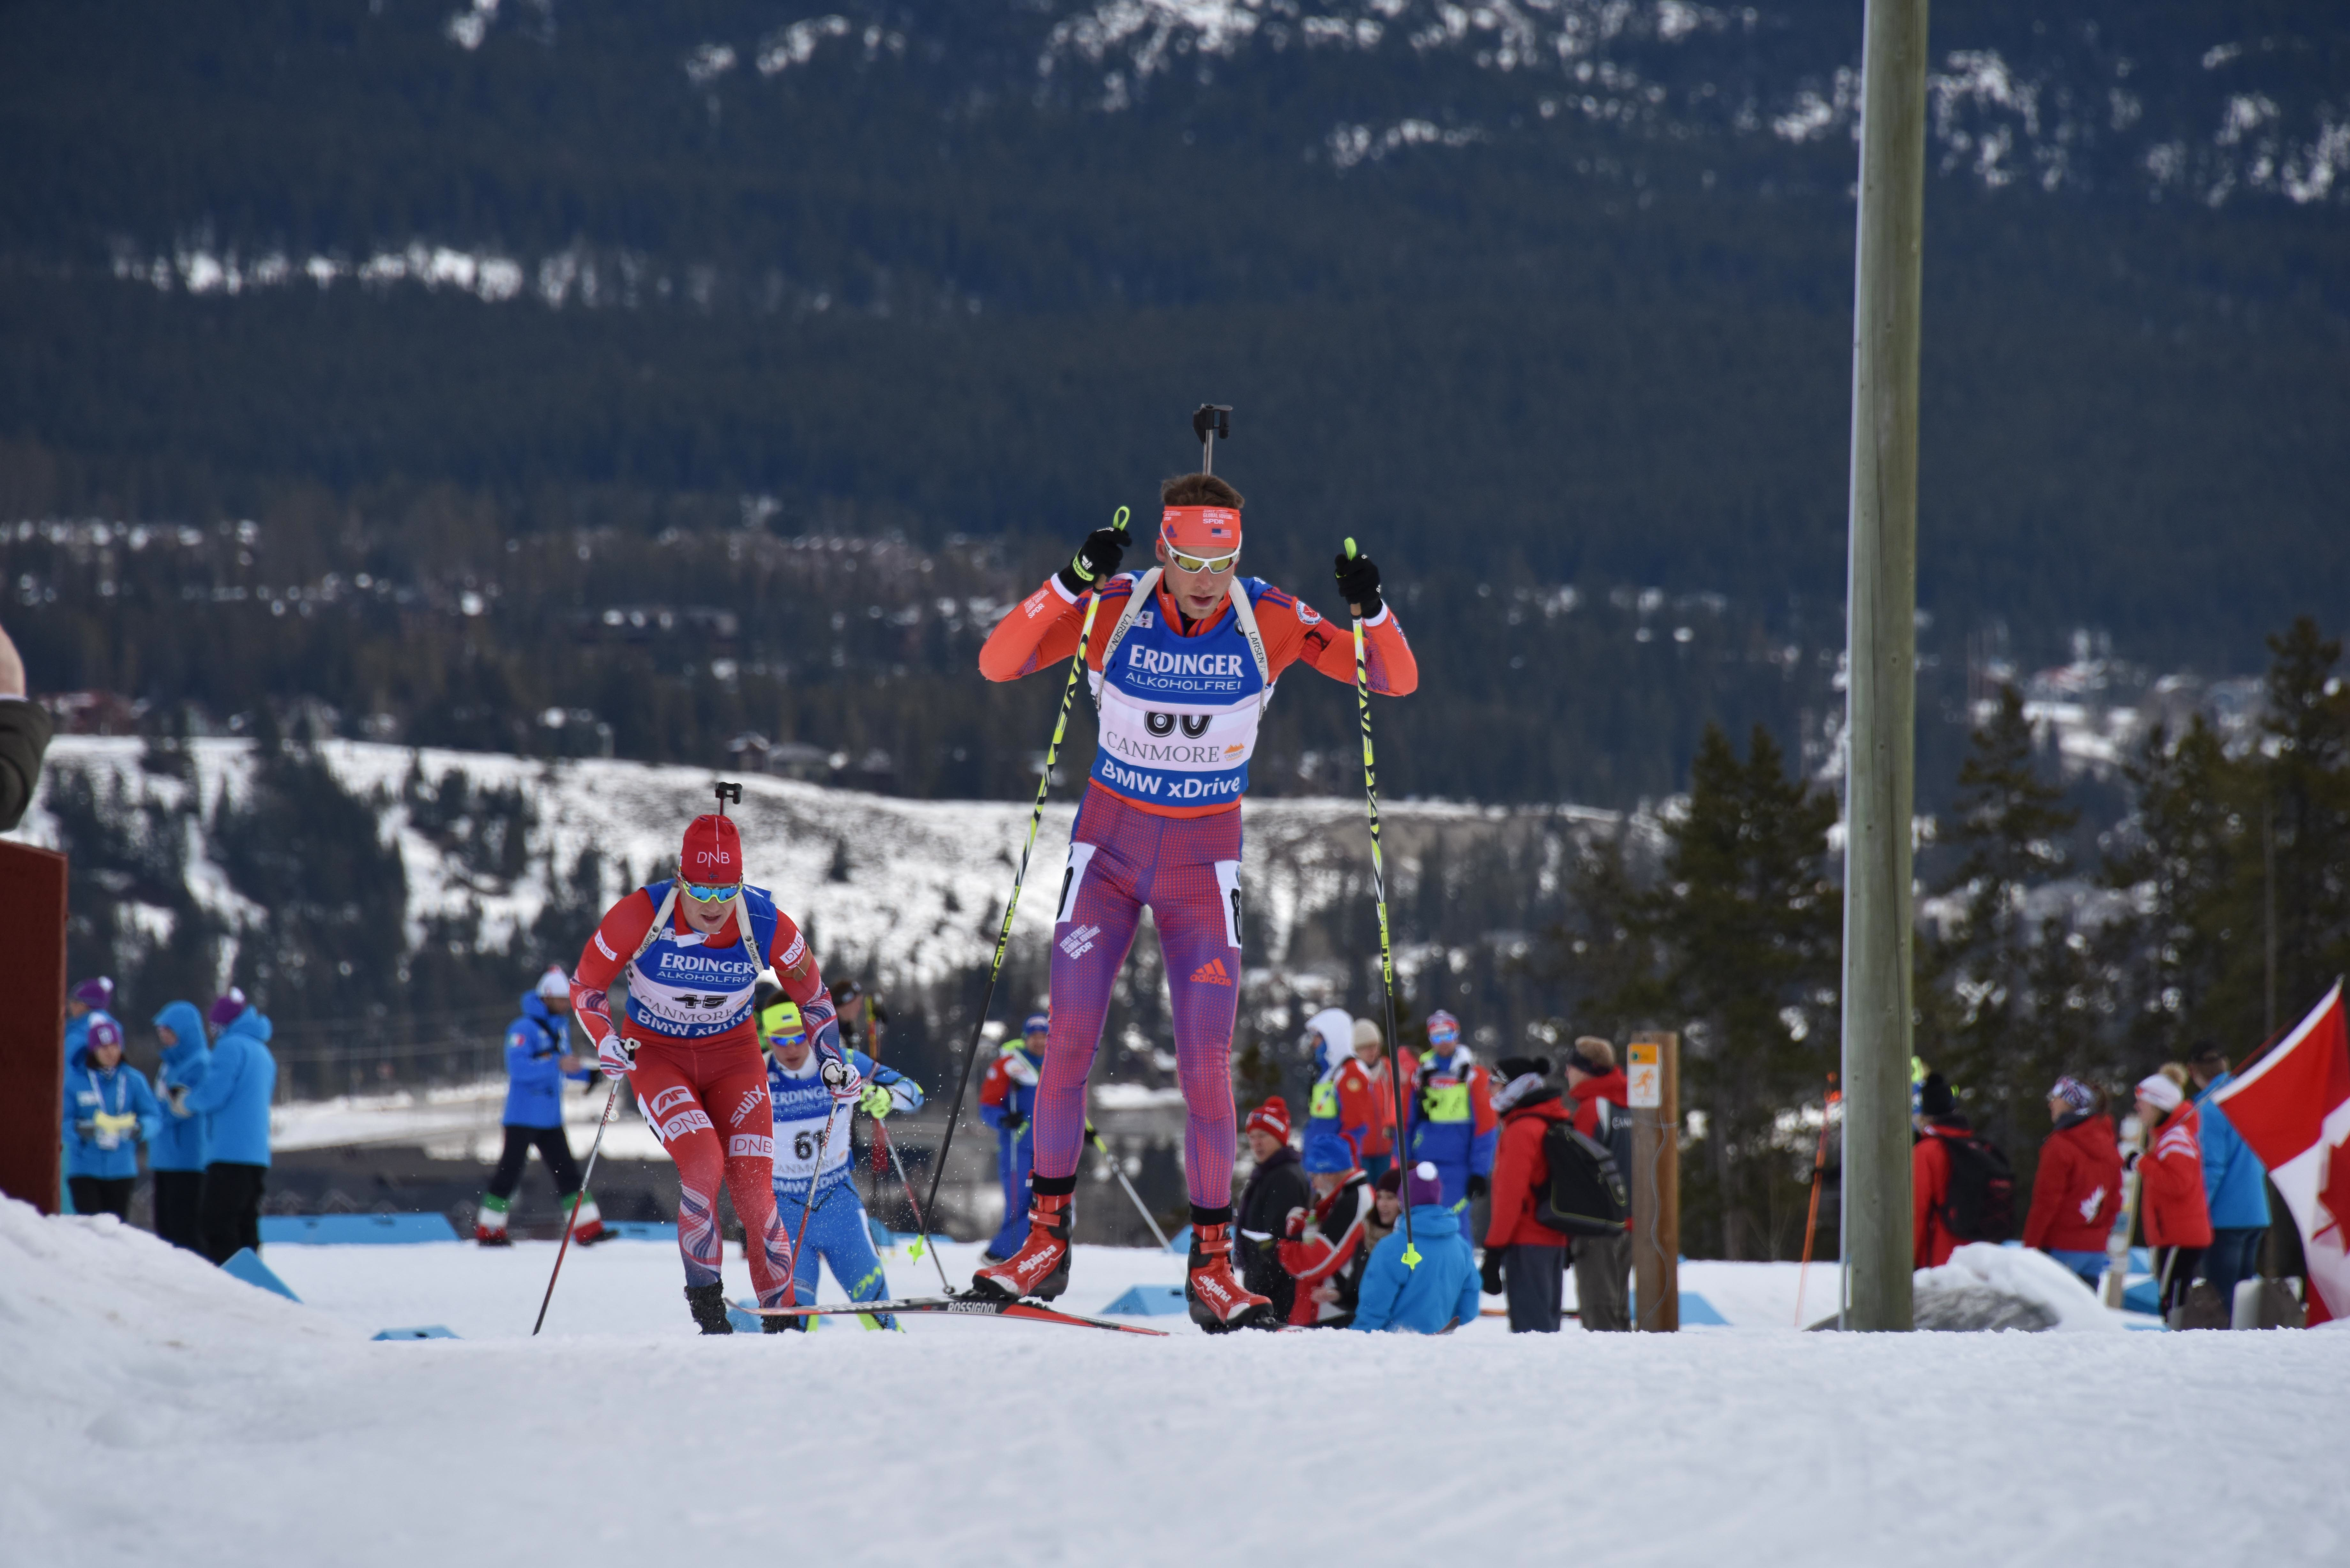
1986	1288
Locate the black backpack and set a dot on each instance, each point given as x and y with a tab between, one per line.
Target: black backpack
1585	1195
1981	1204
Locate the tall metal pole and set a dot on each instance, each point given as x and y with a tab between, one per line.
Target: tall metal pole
1881	732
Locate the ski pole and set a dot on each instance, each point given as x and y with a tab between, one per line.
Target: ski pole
1119	1171
1819	1173
881	1136
1380	892
1011	905
807	1205
584	1187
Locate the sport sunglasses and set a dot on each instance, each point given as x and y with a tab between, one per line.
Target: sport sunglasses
1219	565
711	893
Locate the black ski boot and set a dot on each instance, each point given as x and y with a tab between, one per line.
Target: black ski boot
709	1305
783	1324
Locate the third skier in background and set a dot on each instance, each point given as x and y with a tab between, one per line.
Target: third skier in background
1181	683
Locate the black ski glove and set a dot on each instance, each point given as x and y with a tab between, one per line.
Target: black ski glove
1096	561
1488	1272
1358	584
1478	1187
1014	1123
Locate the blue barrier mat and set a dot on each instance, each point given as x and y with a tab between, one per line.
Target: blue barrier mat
344	1230
246	1265
642	1230
425	1331
1148	1301
1696	1309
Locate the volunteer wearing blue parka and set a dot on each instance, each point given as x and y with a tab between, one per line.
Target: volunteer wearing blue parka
538	1059
2235	1182
234	1098
176	1153
109	1109
1438	1295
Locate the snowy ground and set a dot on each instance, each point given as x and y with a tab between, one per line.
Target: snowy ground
153	1409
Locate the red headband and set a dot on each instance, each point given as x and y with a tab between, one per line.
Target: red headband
1210	531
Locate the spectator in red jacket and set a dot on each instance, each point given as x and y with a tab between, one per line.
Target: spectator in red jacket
2170	1185
2077	1190
1323	1248
1603	1264
1371	1051
1535	1254
1939	1120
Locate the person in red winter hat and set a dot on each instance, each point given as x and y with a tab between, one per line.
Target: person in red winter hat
687	951
1275	1187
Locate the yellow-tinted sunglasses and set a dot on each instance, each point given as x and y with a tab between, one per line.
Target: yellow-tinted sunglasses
1217	564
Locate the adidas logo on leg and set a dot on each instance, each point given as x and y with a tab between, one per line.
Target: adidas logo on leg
1212	973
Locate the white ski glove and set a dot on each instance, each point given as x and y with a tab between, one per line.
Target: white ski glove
617	1056
842	1078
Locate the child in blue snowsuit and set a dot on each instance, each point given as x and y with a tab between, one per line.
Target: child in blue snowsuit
838	1229
1007	1102
177	1154
109	1109
1440	1293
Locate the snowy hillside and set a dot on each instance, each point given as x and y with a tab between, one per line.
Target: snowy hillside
910	890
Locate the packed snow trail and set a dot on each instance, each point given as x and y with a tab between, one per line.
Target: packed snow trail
149	1403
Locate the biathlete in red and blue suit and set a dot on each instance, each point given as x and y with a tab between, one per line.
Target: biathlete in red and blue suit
687	954
1180	680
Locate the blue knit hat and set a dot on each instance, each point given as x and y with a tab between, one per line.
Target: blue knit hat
1327	1154
1035	1021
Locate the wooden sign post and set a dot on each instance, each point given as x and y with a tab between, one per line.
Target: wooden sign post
1653	1070
33	1025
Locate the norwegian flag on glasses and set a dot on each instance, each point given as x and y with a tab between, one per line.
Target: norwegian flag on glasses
2293	1108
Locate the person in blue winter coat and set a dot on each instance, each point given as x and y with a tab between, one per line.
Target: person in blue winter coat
108	1111
1441	1293
233	1097
1007	1102
813	1111
176	1154
1450	1106
2235	1182
538	1059
88	1000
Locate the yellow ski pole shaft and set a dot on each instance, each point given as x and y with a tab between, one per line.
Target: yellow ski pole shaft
1020	878
1387	949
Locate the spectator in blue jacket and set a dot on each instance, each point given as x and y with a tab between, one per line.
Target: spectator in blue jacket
1439	1295
2235	1182
233	1097
1451	1107
108	1111
88	1000
176	1153
1007	1102
538	1058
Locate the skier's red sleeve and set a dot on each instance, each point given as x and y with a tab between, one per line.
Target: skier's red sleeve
795	969
609	947
1043	629
1293	630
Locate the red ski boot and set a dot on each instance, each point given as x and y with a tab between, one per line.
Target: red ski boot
1040	1269
1220	1303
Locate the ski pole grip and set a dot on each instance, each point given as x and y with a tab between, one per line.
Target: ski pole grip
1119	521
1350	549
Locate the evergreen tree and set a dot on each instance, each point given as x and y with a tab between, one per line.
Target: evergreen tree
1991	1029
2305	785
1746	922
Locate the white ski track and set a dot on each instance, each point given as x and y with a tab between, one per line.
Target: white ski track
959	1306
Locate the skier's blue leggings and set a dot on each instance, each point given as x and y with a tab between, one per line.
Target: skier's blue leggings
838	1231
1012	1155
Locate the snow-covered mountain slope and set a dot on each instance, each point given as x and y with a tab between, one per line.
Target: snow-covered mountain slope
914	889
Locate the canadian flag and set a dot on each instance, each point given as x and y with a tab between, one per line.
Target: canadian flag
2294	1108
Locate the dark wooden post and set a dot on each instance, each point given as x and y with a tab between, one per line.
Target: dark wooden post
1653	1067
33	1025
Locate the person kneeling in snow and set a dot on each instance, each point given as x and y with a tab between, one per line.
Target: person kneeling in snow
813	1111
538	1058
1440	1294
1323	1251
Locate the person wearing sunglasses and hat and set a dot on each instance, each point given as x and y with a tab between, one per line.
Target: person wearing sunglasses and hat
1181	680
687	952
